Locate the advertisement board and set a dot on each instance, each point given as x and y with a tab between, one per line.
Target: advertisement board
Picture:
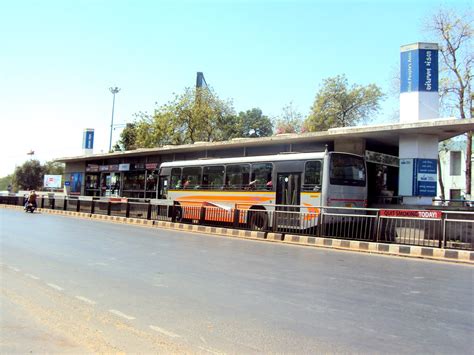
52	181
75	180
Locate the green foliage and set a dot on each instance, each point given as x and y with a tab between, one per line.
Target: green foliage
196	115
338	105
290	120
128	138
5	181
31	174
28	176
53	168
250	124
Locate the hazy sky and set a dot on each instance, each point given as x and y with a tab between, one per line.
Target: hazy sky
58	59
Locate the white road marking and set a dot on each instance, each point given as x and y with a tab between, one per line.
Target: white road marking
56	287
415	292
163	331
100	264
418	277
84	299
160	285
120	314
203	340
210	350
14	268
32	276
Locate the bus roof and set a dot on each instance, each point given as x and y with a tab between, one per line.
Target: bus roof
253	159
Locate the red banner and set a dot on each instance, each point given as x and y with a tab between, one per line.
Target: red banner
411	214
151	166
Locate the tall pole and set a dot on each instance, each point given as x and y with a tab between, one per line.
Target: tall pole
114	91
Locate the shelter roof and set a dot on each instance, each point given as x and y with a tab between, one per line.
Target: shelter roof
387	133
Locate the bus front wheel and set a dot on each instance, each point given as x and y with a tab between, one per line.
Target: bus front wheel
258	221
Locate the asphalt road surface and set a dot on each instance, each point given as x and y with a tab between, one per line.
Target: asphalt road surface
77	286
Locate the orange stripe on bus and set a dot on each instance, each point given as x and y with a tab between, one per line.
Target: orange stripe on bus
204	198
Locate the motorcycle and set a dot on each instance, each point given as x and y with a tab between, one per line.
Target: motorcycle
29	207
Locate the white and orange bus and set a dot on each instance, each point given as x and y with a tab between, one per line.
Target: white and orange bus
261	184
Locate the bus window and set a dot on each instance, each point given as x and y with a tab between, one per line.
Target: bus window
213	177
346	170
237	176
192	177
312	176
176	178
261	176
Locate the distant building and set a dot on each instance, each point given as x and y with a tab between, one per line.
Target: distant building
453	171
200	80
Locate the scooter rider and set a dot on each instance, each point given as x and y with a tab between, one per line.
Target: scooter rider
31	199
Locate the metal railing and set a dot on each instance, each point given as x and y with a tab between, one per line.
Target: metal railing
433	228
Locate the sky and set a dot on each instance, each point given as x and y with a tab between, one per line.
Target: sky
58	60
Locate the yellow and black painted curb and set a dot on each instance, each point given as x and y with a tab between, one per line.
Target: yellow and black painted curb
460	256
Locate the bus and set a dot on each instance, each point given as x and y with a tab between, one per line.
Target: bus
258	185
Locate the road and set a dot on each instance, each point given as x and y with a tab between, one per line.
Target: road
73	286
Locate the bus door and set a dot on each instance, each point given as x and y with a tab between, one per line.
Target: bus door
287	195
163	185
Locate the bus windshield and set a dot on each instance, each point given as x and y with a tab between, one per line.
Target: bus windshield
347	170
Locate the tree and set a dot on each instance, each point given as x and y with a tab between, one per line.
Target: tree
128	138
196	115
5	181
28	176
290	120
249	124
53	168
338	105
454	34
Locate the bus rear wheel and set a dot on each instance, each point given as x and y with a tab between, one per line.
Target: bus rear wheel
258	220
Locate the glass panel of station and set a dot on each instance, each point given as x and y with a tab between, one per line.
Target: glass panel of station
132	180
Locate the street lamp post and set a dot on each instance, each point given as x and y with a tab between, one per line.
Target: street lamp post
114	91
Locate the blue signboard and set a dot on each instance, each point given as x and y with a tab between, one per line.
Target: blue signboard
426	177
418	177
419	70
88	139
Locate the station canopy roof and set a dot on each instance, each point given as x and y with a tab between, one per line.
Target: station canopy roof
387	133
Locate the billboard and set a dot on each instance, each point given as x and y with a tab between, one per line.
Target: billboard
75	181
52	181
419	68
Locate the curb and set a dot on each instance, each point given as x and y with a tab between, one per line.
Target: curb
420	252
